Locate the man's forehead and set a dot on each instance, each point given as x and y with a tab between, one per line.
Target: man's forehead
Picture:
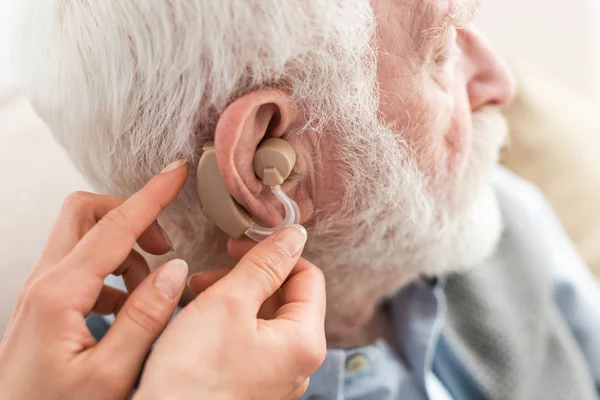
441	12
423	20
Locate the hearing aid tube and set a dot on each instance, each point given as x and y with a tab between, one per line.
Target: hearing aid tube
292	217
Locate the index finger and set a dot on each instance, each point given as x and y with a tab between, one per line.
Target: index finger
110	241
237	248
80	212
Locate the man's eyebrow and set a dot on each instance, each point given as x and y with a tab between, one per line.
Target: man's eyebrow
462	12
457	13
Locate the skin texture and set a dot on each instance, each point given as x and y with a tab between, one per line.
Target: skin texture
432	77
434	74
267	313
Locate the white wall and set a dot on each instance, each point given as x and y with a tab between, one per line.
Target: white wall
562	36
8	10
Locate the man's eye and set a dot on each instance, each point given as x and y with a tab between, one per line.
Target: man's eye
447	47
441	57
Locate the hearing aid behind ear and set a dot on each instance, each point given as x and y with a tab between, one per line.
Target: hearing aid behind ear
273	162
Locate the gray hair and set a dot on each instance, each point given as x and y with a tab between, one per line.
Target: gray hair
128	86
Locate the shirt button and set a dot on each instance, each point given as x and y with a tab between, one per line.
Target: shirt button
356	363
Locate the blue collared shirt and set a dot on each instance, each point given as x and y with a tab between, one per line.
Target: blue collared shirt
374	371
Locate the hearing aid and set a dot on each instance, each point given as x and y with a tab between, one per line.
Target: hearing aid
273	162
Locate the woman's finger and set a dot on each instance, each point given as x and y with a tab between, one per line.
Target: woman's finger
80	212
155	240
237	248
301	318
142	319
201	281
302	389
110	301
133	270
303	296
269	308
264	269
109	242
102	250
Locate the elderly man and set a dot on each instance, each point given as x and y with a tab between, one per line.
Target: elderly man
446	277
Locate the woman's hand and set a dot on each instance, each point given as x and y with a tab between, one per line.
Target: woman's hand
47	351
254	332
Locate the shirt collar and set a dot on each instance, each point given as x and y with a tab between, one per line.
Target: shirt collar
418	312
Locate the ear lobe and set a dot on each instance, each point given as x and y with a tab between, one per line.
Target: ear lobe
242	126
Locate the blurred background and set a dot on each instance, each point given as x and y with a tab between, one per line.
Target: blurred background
8	10
553	47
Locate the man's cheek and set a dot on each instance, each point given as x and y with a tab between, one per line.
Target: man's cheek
459	136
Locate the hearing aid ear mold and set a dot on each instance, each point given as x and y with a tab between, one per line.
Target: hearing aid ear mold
273	162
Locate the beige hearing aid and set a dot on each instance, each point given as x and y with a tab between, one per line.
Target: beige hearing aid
273	162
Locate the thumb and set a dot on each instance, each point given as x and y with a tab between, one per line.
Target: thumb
264	268
143	317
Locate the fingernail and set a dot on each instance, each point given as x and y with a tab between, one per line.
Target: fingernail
173	166
171	278
189	279
166	237
291	240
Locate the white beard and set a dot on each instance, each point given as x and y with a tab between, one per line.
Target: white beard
389	228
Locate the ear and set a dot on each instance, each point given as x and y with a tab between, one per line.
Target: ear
240	129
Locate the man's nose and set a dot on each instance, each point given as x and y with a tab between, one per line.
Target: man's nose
490	82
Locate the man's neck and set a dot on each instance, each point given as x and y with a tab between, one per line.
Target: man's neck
357	313
379	326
